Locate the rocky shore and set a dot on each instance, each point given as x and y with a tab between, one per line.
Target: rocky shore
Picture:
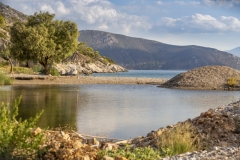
203	78
218	130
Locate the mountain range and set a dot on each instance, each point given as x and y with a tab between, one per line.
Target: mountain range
235	51
139	53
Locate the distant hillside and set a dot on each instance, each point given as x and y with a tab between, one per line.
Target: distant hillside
138	53
11	15
235	51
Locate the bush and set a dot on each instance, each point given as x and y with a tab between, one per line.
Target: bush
16	137
5	80
109	60
232	81
54	72
179	140
145	153
37	68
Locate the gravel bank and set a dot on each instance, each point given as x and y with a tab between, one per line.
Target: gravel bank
203	78
51	80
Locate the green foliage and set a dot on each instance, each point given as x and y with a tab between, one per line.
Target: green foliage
37	68
179	140
5	80
4	63
24	70
144	153
54	72
84	49
3	35
232	81
43	39
2	21
16	137
109	60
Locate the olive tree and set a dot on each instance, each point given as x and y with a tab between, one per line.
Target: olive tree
43	39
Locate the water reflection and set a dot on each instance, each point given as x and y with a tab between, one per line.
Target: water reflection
59	103
120	111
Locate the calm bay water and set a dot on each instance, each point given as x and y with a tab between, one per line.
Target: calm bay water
120	111
143	73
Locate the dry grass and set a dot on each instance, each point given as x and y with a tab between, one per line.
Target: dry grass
232	81
179	140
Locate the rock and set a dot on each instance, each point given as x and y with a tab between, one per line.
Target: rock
110	146
78	63
83	158
77	145
120	158
37	131
107	158
65	136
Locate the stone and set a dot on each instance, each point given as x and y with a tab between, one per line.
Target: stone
65	136
107	158
37	131
95	142
77	145
84	158
120	158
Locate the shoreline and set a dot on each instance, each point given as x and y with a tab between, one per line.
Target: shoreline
63	80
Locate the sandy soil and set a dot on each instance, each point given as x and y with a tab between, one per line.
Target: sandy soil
51	80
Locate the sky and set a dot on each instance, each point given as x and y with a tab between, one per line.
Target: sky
208	23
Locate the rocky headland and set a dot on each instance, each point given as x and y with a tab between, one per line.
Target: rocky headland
79	63
203	78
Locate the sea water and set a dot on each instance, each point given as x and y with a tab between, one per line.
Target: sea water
118	111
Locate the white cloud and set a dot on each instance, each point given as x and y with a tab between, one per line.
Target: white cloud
61	8
46	8
103	15
232	23
199	23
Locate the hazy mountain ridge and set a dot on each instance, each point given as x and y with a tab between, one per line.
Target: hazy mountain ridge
138	53
235	51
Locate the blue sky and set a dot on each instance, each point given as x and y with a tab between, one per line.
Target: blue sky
210	23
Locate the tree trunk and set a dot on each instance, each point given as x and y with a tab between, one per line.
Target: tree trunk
47	69
45	65
11	66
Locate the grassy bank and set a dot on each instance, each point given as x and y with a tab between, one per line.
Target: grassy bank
5	80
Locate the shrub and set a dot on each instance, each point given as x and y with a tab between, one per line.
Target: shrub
232	81
179	140
54	72
144	153
37	68
5	80
16	137
109	60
